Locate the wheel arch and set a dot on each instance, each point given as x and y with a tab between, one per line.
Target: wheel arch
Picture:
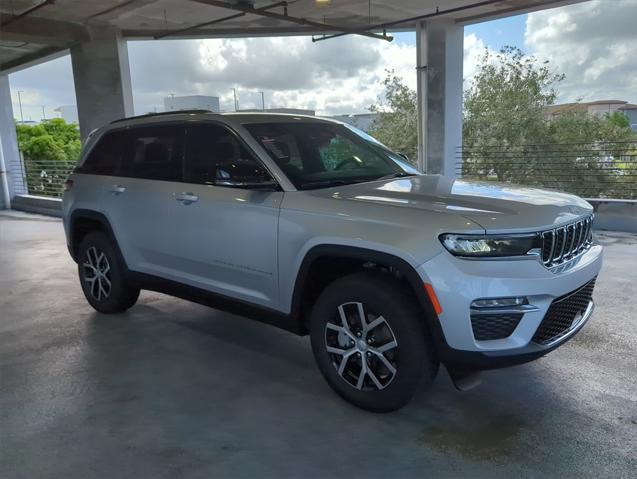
350	256
81	222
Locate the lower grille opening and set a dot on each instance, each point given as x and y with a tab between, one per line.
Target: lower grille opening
494	326
562	313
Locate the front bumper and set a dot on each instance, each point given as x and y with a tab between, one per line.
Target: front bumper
458	282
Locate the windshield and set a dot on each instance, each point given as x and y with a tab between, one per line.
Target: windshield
320	155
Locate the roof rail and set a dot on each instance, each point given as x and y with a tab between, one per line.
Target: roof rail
148	115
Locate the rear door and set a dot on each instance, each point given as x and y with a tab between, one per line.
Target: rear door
226	236
139	199
91	176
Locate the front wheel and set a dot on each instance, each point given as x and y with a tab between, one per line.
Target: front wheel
370	342
103	275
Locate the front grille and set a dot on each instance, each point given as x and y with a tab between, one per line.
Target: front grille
562	313
494	326
562	244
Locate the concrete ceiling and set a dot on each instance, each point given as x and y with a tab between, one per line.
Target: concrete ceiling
34	29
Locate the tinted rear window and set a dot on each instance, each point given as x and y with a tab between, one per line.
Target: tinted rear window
154	152
106	155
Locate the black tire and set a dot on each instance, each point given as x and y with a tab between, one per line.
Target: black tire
413	358
121	294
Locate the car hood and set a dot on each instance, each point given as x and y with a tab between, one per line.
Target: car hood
495	207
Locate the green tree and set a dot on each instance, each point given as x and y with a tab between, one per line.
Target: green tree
618	119
592	155
50	151
506	135
580	127
504	110
397	115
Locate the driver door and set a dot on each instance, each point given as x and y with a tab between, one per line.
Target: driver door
227	234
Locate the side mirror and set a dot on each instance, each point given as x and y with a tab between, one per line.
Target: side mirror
244	174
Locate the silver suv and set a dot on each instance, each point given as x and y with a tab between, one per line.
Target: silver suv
314	226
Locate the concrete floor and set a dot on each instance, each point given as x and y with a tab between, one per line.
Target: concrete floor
173	389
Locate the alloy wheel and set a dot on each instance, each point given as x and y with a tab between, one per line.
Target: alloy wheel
362	346
97	273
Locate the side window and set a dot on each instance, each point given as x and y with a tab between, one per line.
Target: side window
106	155
154	152
214	155
282	145
284	148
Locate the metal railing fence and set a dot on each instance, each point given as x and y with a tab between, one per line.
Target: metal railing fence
591	170
40	177
598	170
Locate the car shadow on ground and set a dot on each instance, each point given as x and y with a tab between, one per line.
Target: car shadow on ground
220	357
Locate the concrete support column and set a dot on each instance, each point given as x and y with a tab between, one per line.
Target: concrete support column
9	154
102	79
439	45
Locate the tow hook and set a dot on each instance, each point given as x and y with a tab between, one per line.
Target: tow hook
464	380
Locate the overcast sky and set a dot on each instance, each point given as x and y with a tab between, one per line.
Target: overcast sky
593	43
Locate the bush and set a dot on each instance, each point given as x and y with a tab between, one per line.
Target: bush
50	150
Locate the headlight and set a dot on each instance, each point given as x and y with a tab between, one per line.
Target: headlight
491	246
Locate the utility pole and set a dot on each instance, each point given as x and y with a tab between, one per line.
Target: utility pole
262	100
43	113
20	103
236	105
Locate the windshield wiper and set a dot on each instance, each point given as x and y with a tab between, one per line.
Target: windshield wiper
399	174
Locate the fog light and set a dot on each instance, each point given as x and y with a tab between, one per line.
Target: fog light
499	302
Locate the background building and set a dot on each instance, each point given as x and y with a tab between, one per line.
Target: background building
192	102
68	113
597	107
630	110
362	121
290	111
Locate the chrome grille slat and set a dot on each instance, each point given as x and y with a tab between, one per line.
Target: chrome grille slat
571	246
582	236
548	246
566	242
562	238
579	228
589	238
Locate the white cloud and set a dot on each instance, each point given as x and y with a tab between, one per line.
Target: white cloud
474	49
341	75
49	85
593	43
337	76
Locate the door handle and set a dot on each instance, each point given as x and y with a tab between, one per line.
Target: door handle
118	190
187	198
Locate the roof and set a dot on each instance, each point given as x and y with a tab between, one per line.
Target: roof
31	30
605	102
258	117
565	107
583	106
204	114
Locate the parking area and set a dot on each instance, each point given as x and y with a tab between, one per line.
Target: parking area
174	389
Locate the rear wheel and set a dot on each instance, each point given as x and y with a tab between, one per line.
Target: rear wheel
370	342
103	275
